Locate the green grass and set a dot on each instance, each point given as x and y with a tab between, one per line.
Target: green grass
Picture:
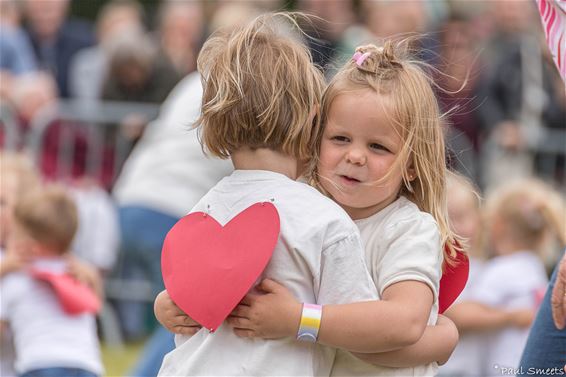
118	361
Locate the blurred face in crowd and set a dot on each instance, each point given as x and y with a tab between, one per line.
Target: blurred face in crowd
32	93
46	16
464	214
182	24
337	15
513	16
385	19
121	19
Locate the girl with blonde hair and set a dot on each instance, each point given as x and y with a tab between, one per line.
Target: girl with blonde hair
473	319
380	155
522	216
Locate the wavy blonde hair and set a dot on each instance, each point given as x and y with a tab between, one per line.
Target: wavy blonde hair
260	89
412	106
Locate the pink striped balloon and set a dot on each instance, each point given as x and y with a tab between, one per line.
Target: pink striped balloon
553	15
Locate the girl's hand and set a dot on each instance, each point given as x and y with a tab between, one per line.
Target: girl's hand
275	314
172	317
450	338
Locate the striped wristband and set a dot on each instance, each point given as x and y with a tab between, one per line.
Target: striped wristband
310	323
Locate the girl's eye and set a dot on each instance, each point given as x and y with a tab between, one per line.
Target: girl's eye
343	139
378	147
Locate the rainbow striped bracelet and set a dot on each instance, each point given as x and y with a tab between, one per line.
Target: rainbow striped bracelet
310	323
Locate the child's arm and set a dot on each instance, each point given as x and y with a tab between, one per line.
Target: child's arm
86	274
473	316
173	318
437	344
397	321
13	261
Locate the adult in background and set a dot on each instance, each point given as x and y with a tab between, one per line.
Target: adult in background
56	38
546	346
164	177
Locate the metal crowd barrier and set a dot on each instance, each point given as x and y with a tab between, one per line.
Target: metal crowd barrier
98	120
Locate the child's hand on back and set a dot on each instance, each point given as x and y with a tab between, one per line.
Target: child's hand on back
13	261
275	314
86	274
172	317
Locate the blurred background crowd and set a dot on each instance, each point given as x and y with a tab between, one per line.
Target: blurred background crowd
104	105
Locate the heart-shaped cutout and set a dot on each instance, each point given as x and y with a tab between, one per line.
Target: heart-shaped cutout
208	268
453	281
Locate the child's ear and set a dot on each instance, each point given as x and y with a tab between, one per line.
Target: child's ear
411	172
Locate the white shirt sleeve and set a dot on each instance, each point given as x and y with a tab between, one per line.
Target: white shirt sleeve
8	290
344	277
412	252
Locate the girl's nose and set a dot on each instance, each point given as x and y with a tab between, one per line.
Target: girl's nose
356	157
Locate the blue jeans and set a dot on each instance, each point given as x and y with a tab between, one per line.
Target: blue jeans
545	350
143	231
58	372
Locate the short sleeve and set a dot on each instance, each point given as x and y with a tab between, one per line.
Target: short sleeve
344	277
7	292
413	252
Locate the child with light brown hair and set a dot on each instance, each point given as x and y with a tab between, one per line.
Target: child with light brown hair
47	339
379	154
521	217
17	177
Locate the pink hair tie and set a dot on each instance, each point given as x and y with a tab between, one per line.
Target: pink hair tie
359	58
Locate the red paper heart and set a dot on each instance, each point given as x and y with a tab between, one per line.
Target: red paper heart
453	281
74	297
208	268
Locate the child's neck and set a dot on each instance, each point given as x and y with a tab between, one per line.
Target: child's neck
265	159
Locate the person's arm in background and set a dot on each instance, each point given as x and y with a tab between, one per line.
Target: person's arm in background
472	316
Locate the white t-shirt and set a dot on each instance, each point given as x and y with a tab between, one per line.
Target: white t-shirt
511	281
44	335
467	358
98	237
7	354
318	257
401	243
167	170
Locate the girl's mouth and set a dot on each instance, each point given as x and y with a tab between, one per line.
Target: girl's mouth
349	180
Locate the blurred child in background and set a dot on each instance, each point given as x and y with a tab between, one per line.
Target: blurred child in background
472	318
521	217
17	177
48	341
